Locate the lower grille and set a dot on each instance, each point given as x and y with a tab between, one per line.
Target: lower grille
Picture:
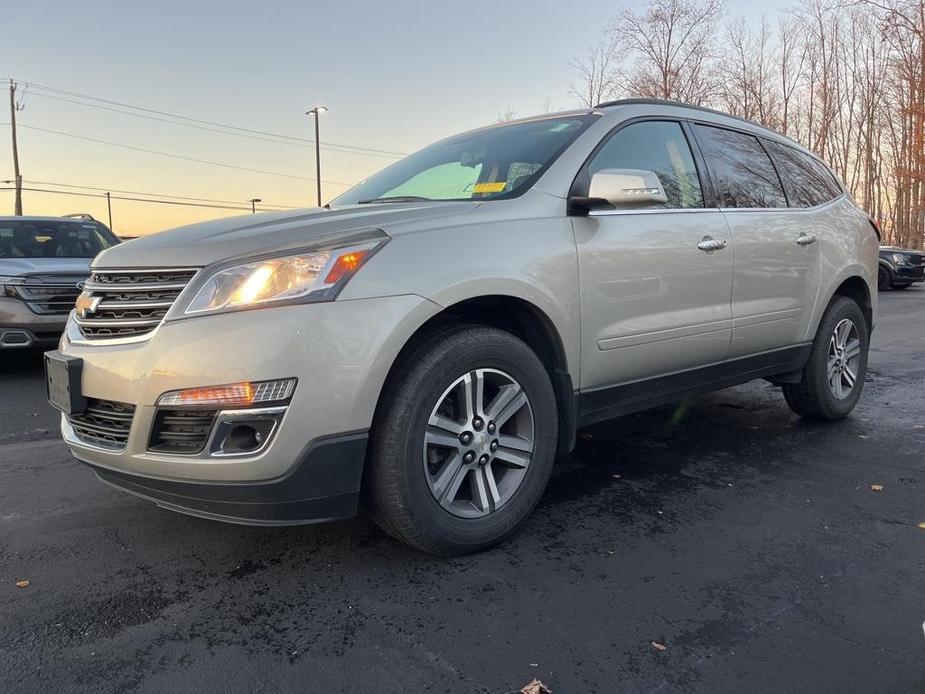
181	431
104	423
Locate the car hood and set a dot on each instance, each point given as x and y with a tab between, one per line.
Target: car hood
201	244
17	267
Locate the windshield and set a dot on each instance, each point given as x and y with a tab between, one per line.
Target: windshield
53	239
502	161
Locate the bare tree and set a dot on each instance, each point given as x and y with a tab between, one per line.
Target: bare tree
671	47
598	74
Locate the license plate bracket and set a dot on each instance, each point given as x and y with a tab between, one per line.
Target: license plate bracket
62	382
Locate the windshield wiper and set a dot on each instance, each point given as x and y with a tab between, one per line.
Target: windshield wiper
395	198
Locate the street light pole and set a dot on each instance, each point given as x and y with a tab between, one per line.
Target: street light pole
316	112
253	202
109	208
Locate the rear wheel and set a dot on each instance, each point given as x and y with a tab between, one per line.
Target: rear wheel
833	376
464	441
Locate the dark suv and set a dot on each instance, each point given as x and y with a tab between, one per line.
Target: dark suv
900	267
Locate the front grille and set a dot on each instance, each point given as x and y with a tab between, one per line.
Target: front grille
916	259
49	295
104	423
181	431
131	303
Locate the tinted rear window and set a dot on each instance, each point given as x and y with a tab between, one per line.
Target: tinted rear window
808	182
742	172
52	239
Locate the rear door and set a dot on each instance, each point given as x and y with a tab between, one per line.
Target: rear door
652	302
776	257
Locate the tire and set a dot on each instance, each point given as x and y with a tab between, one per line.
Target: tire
403	479
884	278
815	397
902	286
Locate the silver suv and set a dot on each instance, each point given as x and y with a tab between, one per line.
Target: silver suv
429	341
43	263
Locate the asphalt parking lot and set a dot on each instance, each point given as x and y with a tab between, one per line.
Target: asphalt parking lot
748	543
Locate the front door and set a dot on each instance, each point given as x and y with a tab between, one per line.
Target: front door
655	298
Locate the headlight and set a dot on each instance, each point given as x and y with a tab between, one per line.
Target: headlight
317	276
899	259
7	285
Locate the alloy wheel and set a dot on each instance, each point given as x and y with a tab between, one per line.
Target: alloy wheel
844	357
479	443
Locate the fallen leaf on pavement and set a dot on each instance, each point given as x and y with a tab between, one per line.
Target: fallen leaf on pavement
658	646
922	525
535	687
876	487
23	583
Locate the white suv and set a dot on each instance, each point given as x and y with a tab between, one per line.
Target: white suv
430	340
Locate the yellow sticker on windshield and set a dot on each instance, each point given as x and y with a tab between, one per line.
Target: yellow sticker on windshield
489	187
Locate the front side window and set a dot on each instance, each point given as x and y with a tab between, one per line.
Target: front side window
660	147
53	239
493	163
742	172
807	181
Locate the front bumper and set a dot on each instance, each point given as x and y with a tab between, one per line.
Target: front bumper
20	327
340	352
909	273
313	492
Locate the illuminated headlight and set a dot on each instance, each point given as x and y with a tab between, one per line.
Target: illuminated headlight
899	259
316	276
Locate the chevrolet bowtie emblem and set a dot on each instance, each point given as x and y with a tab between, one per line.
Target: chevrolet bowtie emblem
86	305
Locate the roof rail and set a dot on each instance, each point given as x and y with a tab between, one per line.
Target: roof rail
80	215
680	104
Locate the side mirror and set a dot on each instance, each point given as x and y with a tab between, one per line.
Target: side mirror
623	188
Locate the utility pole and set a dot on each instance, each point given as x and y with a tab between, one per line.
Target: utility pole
109	207
253	202
18	176
316	112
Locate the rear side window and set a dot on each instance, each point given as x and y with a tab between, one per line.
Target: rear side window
742	172
658	146
808	182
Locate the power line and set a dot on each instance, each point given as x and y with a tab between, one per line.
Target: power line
252	131
132	199
153	195
307	144
179	156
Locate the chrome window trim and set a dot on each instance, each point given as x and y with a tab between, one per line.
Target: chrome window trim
676	210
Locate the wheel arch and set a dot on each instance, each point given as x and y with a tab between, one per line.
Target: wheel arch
522	318
855	286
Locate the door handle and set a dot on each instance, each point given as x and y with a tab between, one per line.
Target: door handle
710	244
806	239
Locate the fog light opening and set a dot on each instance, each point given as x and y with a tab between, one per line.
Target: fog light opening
242	438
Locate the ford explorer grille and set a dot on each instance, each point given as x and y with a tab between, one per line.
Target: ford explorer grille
48	295
131	303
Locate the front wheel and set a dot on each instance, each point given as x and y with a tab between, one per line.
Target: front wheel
884	278
463	442
833	376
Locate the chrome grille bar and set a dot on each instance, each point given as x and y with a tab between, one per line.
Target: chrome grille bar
132	303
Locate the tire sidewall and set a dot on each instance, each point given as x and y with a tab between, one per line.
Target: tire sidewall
839	310
508	354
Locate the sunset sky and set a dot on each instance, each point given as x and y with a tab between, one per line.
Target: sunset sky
395	77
